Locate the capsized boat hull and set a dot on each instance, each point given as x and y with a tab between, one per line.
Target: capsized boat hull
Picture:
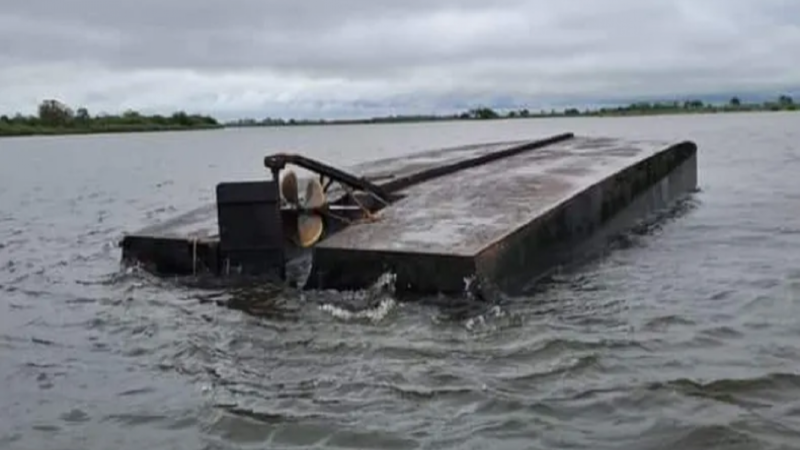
495	215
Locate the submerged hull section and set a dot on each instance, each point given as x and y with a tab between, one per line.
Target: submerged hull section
494	215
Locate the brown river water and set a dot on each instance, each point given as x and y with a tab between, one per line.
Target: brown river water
685	335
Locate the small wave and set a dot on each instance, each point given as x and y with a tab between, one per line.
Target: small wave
45	342
132	420
423	393
572	364
376	314
722	295
722	332
542	348
124	274
11	342
295	429
662	323
712	436
267	301
494	320
263	416
75	415
374	303
744	391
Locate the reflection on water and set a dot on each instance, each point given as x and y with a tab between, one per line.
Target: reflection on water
682	334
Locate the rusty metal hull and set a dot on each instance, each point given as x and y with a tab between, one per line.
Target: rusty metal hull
501	223
507	223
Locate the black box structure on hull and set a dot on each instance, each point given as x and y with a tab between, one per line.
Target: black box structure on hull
499	214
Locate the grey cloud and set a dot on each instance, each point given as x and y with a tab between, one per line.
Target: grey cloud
270	55
286	35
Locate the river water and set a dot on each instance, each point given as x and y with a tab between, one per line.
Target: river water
686	335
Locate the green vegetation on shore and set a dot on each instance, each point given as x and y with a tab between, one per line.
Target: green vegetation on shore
56	118
783	103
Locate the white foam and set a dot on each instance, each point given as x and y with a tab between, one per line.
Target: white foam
383	287
376	314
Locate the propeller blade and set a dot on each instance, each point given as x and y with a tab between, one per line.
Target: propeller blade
309	229
289	187
315	195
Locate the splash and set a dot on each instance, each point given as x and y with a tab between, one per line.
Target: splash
374	315
373	304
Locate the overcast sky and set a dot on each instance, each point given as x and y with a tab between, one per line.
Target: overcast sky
311	58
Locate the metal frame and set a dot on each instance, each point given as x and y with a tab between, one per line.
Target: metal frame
277	162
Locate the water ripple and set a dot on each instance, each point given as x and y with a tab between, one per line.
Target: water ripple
683	335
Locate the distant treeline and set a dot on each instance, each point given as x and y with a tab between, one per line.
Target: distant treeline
54	117
782	103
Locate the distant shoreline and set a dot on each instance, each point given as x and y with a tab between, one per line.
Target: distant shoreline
57	119
783	103
59	131
391	120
